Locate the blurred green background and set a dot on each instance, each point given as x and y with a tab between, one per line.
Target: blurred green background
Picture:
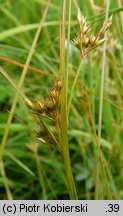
25	173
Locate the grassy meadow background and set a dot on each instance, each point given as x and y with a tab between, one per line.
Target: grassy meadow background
30	169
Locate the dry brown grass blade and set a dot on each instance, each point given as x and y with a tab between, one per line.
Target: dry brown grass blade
33	69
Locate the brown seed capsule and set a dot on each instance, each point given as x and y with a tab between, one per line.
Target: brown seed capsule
86	42
100	42
39	106
92	40
59	84
54	93
86	29
76	42
42	106
50	103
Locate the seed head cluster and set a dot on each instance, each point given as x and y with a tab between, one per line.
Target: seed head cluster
85	42
48	109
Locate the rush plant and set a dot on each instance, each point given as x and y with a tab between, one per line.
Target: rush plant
52	112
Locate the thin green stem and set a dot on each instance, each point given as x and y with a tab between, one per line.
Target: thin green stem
64	118
100	113
41	177
99	154
121	14
5	180
73	86
68	45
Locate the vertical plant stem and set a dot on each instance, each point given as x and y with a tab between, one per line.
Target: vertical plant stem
121	13
100	157
41	177
74	85
5	180
64	121
68	45
100	111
